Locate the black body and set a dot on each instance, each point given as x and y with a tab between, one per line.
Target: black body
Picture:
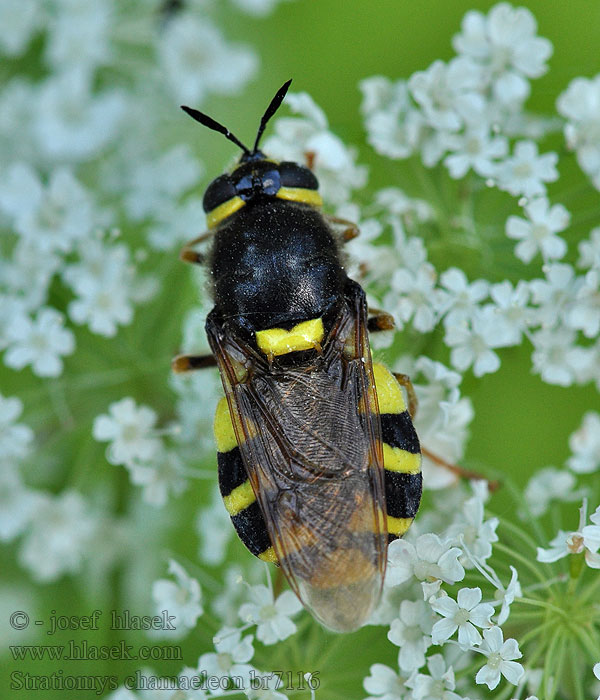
275	263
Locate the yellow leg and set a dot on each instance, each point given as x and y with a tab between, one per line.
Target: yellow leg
192	256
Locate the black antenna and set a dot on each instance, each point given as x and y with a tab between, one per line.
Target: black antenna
205	120
271	109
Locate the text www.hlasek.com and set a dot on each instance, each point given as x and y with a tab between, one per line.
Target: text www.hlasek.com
82	651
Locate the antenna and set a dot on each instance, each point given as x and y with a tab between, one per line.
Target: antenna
205	120
270	111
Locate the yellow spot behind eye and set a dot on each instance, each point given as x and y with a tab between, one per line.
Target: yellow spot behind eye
396	459
300	194
223	428
239	499
303	336
389	393
223	211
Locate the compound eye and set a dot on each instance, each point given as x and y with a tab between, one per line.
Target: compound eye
219	191
294	175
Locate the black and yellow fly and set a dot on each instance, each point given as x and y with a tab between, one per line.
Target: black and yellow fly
319	464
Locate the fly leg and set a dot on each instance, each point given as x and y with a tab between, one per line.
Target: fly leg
188	363
187	253
349	231
380	321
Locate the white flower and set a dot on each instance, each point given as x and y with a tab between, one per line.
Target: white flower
411	631
130	431
508	595
551	355
40	343
181	598
415	296
472	342
463	614
506	45
437	686
334	162
55	216
428	558
17	504
580	104
155	182
15	438
59	537
272	617
585	445
546	485
392	121
196	59
589	250
470	528
554	295
383	683
231	657
159	477
512	308
70	123
525	172
584	315
585	540
500	659
103	309
107	285
459	297
448	93
476	149
79	34
538	234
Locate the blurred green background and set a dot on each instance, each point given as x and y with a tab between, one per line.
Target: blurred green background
327	47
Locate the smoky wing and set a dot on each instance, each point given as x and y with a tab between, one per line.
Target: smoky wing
310	440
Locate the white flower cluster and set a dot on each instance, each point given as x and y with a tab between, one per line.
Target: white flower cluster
58	531
466	113
68	127
135	443
420	568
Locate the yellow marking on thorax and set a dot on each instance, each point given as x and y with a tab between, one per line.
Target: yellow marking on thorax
398	526
223	428
396	459
268	555
224	210
240	498
300	194
303	336
389	393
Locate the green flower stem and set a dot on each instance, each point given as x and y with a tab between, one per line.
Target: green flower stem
526	562
575	672
543	604
550	667
576	564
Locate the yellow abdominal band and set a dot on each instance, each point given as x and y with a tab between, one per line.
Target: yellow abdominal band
303	336
389	393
